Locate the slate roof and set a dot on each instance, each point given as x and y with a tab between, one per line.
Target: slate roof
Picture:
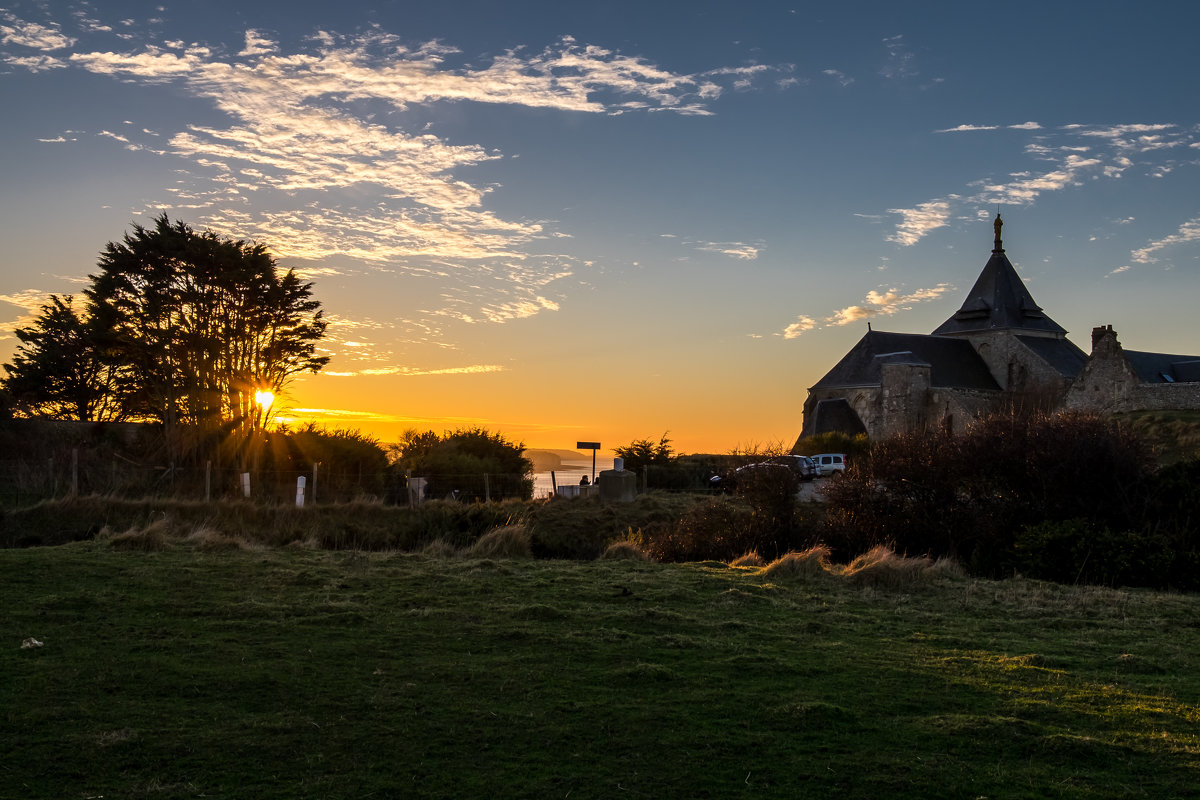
999	300
1163	367
953	362
1062	354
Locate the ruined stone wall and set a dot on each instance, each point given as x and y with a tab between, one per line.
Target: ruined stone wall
1113	396
864	400
1015	367
1108	385
904	399
908	405
955	409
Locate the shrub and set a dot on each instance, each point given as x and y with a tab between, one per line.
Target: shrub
968	496
715	529
624	550
1076	551
582	529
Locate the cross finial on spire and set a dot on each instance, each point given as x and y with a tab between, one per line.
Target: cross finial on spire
997	225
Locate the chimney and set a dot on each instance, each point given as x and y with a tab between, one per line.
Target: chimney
1100	332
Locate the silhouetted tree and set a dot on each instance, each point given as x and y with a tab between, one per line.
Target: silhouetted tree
204	322
642	453
60	371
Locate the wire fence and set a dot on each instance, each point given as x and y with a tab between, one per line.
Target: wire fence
25	482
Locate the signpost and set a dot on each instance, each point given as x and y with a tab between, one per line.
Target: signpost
593	446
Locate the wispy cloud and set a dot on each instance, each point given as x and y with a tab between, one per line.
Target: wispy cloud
1076	154
968	128
839	76
900	60
885	303
30	301
313	130
1188	232
917	222
802	325
472	369
877	303
739	250
16	31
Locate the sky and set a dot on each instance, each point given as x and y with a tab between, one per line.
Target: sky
612	221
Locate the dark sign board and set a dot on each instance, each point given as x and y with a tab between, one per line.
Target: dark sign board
587	445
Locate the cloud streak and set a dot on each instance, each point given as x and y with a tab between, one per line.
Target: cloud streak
877	303
1188	232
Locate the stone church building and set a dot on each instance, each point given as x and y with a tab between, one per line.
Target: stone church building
999	351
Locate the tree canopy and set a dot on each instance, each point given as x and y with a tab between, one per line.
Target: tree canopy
181	327
465	453
641	453
58	370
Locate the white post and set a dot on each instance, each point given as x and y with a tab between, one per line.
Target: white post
300	481
246	484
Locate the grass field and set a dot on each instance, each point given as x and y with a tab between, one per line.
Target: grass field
297	673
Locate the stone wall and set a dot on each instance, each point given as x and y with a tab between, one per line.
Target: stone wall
1108	385
1014	366
903	399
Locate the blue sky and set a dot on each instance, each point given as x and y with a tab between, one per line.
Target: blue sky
606	221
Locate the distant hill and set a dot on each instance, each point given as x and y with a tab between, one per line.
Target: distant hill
547	460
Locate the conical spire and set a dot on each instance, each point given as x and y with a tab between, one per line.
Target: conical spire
999	301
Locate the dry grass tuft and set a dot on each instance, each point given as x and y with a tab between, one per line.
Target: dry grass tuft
946	568
880	567
751	559
508	541
208	538
151	538
810	563
440	548
624	550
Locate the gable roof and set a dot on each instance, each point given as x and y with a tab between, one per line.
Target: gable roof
1061	354
953	362
999	300
1163	367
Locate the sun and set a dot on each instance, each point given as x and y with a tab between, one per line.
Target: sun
263	398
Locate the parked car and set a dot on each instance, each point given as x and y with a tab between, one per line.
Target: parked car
830	463
801	468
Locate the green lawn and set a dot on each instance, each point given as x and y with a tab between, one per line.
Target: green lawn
295	673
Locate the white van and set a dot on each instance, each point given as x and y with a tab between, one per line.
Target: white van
829	463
